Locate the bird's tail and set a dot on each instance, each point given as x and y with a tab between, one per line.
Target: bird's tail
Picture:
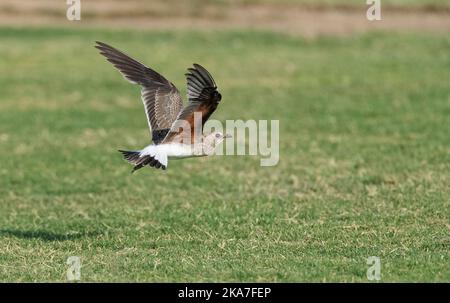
131	156
134	157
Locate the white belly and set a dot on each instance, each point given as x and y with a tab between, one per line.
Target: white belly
163	152
172	150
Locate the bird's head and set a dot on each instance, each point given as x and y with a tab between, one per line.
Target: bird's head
215	138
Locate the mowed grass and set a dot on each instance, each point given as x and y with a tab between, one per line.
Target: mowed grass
363	171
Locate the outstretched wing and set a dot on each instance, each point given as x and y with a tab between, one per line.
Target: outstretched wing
162	100
203	99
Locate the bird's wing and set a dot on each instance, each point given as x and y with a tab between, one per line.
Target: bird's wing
162	100
203	99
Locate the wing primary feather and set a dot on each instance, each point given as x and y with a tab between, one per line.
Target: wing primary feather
205	74
198	77
203	98
194	81
161	99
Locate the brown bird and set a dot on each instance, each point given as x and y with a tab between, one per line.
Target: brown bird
173	127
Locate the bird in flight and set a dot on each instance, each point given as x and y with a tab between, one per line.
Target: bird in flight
176	130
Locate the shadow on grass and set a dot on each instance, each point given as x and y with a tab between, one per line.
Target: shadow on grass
47	235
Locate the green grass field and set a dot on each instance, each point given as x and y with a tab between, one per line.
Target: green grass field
364	160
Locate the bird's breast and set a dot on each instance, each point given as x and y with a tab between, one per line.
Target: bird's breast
176	150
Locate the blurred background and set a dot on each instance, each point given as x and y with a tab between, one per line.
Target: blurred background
305	17
364	111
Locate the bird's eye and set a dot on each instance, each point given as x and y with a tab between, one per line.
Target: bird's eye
217	135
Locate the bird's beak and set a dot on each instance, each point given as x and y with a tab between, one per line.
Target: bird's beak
227	136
